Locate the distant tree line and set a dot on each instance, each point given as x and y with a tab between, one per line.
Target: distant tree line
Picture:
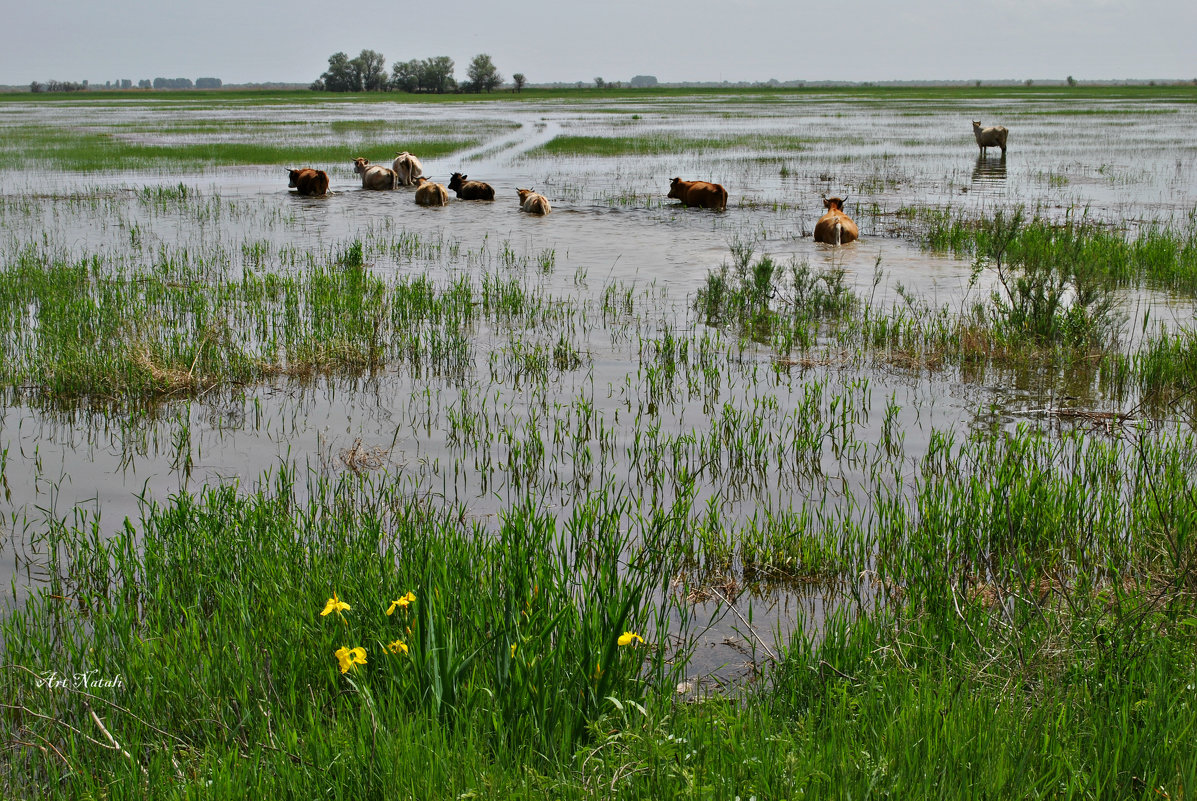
57	86
367	73
125	83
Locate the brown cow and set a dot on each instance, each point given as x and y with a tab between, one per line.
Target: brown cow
533	202
470	190
835	227
308	181
374	176
699	193
430	194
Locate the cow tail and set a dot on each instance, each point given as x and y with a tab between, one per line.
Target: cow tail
839	232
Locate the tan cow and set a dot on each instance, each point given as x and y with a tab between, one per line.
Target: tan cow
994	136
835	227
431	194
533	202
699	193
308	181
374	176
407	167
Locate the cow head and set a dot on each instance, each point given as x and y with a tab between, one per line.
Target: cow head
456	180
293	175
675	189
834	203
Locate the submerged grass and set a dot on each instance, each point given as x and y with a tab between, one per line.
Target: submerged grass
1160	255
659	143
84	151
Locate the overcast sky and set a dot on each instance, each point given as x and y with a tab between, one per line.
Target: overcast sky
242	41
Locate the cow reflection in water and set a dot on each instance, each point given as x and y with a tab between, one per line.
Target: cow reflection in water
989	171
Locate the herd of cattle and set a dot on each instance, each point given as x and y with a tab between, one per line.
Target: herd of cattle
835	227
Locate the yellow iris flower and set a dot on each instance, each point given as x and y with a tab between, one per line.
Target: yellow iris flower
397	647
347	657
334	604
628	636
513	650
403	602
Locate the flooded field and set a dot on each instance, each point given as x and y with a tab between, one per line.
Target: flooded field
562	359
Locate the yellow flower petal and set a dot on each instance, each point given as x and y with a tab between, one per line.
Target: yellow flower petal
513	650
343	659
628	636
334	604
402	602
398	647
358	655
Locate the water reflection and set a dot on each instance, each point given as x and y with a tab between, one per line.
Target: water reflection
990	171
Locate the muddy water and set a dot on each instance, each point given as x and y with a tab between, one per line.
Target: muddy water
611	224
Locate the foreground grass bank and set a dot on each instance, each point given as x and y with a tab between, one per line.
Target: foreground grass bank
347	638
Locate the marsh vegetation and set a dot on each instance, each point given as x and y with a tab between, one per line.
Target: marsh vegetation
630	501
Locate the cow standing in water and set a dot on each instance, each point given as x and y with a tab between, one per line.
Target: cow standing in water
699	193
308	181
470	190
407	168
835	227
533	202
994	136
375	176
430	193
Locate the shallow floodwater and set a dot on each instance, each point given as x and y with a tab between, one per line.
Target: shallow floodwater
611	226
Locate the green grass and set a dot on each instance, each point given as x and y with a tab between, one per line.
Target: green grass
1026	648
42	148
656	144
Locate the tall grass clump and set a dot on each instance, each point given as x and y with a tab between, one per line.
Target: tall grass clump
760	301
1159	255
290	638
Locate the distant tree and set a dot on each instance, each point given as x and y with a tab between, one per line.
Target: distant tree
126	83
599	83
978	83
144	83
519	80
340	75
1029	82
35	87
172	83
1071	81
405	76
436	75
208	83
369	70
482	74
